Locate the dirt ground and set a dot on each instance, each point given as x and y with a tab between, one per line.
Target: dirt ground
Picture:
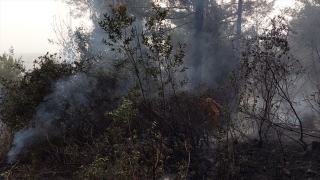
273	160
285	160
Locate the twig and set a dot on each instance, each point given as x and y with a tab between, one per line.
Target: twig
185	145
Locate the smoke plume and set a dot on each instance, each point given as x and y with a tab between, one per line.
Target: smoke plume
68	94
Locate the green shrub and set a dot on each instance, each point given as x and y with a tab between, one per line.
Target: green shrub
23	96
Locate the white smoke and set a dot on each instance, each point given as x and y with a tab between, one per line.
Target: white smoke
67	94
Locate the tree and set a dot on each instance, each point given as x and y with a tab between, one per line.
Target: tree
92	39
198	35
306	25
239	24
209	29
307	49
269	75
10	68
154	61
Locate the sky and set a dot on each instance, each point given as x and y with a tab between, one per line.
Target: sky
27	24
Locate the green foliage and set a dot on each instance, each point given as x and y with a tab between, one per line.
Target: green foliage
163	128
154	65
126	156
136	144
10	69
24	95
154	62
123	114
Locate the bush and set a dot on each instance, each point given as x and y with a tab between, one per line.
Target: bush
23	96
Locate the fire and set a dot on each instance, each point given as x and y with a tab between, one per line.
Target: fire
213	112
212	107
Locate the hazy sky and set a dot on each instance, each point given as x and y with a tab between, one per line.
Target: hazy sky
27	24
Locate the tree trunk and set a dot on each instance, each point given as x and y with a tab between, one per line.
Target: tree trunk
239	23
198	38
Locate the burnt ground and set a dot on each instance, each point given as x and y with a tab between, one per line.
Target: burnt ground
273	160
270	160
285	160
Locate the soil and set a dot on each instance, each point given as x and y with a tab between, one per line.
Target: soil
285	160
270	160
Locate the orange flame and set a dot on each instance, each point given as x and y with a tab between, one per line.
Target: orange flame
211	106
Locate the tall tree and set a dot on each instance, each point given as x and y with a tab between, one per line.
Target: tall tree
307	25
239	24
198	35
306	47
209	29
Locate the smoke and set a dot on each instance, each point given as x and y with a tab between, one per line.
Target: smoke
68	94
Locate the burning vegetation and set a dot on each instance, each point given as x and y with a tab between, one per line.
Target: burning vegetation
133	113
